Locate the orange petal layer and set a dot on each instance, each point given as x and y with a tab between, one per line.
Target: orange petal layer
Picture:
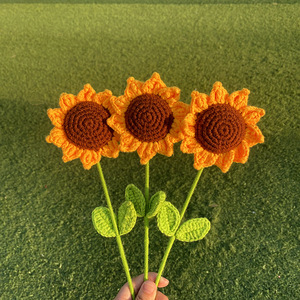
218	94
225	160
252	114
117	122
128	143
188	125
103	98
67	101
170	94
153	85
204	159
165	147
57	137
120	104
111	149
199	159
239	99
253	135
180	110
87	94
199	102
90	158
242	153
210	159
56	116
70	152
146	151
190	145
133	89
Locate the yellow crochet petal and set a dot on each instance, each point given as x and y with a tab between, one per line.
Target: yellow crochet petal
70	152
253	135
190	145
180	110
146	151
120	104
210	159
153	85
90	158
103	97
57	137
252	114
56	116
225	160
218	94
199	159
67	101
242	153
239	99
199	102
170	93
165	147
111	149
87	94
133	89
117	122
188	125
128	143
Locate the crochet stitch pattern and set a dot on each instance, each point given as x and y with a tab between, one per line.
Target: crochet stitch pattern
221	128
148	117
85	126
81	128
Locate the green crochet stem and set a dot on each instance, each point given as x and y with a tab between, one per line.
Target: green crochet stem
172	238
119	241
146	224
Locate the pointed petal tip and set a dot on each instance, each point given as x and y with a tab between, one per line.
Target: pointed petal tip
130	79
155	75
194	93
217	84
246	92
87	86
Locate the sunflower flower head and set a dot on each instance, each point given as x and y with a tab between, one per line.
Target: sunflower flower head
148	117
220	128
81	128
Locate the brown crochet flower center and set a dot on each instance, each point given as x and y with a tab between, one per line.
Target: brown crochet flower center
220	128
149	118
85	126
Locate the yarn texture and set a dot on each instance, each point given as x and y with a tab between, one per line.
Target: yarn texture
220	128
148	117
81	128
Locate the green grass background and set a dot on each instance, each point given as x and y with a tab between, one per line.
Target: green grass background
48	246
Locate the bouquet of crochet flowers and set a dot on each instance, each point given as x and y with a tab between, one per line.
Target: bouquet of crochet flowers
218	129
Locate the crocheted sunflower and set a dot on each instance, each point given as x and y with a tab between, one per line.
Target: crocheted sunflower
148	117
81	129
221	128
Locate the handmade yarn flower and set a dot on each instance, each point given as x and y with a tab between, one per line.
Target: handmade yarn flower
221	128
148	117
81	128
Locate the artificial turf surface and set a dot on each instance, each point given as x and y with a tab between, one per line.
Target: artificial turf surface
49	248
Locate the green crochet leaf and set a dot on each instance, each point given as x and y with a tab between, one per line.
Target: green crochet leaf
156	203
126	217
168	219
102	222
134	194
193	230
